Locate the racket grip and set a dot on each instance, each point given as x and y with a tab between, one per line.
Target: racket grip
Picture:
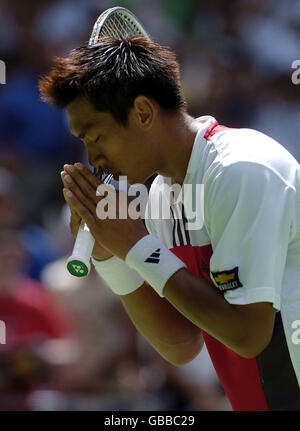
79	263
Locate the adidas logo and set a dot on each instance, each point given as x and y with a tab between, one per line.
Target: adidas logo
154	257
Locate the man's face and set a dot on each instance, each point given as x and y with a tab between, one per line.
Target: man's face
117	149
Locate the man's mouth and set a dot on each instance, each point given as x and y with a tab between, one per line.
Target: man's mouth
116	176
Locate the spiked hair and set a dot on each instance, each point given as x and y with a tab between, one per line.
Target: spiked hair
112	73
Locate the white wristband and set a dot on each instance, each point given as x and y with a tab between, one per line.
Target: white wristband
153	261
118	275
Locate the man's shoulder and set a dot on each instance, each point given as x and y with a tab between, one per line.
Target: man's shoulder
248	145
247	150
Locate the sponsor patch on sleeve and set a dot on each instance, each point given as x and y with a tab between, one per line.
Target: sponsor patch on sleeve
226	280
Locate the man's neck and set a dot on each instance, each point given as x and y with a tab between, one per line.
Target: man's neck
177	144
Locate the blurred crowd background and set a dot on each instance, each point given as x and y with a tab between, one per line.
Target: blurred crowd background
69	343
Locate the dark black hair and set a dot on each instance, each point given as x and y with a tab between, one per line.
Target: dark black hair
112	73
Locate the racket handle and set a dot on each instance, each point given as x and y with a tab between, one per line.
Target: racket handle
79	263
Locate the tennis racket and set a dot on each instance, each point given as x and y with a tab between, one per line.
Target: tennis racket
116	22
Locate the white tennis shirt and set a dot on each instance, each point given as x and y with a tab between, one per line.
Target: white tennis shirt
249	244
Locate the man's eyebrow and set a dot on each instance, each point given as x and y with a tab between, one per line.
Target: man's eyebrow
82	134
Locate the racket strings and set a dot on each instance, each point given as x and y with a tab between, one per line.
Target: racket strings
121	26
118	26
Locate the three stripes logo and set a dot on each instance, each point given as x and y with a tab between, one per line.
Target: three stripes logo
154	257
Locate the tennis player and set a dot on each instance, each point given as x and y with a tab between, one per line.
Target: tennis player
234	283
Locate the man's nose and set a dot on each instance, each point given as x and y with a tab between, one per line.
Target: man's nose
95	161
92	162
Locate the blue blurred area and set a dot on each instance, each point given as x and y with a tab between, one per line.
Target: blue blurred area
27	125
40	249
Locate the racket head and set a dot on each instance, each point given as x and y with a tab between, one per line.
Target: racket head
117	22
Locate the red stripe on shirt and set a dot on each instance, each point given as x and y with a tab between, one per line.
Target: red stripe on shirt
215	128
239	376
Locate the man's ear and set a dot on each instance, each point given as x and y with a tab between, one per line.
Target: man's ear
144	112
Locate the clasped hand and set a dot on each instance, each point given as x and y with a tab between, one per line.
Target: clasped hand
113	236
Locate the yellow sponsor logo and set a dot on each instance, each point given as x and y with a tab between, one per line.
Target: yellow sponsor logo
225	278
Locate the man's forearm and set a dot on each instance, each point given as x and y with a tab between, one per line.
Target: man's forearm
245	329
174	337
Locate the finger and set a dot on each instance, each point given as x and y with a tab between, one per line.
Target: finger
81	210
90	176
75	219
73	211
66	183
70	184
63	175
85	179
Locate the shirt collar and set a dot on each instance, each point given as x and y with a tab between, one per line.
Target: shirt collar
204	123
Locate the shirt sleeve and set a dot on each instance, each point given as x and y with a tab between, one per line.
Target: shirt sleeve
249	216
